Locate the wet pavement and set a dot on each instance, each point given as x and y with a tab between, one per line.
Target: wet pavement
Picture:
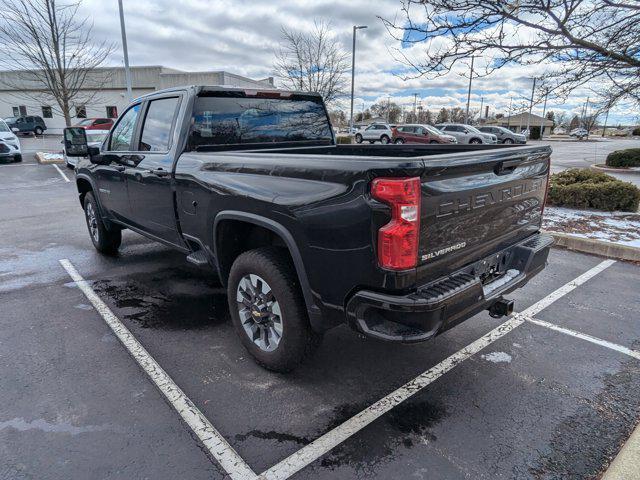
536	403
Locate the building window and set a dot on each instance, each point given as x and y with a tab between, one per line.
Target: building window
112	112
46	112
16	111
20	111
81	112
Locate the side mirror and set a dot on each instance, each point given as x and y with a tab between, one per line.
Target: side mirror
75	142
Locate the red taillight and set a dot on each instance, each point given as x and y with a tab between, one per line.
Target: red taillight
398	239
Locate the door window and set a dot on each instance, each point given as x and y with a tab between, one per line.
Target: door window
123	131
156	131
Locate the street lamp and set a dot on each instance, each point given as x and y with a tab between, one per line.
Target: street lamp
353	70
127	73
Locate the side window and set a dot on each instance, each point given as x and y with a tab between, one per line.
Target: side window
30	120
371	127
156	131
123	131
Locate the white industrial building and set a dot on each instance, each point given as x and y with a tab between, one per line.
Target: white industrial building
105	94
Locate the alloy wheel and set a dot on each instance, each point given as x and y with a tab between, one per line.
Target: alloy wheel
260	313
92	222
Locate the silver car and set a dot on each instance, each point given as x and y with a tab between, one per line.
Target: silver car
504	135
95	138
376	132
467	133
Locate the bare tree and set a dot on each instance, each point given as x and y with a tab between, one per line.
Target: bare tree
312	62
51	53
578	40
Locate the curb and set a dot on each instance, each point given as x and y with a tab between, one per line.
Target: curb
596	247
615	170
626	465
44	161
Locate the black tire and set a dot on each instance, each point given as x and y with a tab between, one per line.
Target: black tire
384	139
104	240
432	142
399	141
508	141
297	340
358	138
17	158
475	141
37	131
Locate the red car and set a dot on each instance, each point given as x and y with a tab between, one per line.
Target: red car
420	134
96	124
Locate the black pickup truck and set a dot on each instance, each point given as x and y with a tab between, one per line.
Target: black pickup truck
401	242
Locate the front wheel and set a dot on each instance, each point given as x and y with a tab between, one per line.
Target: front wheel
268	310
384	139
508	141
358	138
399	141
38	131
475	141
104	240
432	142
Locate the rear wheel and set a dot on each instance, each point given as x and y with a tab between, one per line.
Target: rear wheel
508	141
433	141
475	141
384	139
399	141
358	138
104	240
268	310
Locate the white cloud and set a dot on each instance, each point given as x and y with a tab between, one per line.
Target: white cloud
240	36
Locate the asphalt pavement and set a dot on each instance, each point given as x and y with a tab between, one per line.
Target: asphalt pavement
551	393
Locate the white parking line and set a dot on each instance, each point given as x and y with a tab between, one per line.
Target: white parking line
588	338
311	452
62	174
224	453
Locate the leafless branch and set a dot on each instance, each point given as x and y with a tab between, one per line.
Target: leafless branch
575	41
312	62
50	53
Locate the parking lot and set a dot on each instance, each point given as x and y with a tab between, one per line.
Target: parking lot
551	392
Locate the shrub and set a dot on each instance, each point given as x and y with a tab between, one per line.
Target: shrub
585	188
341	140
636	132
624	158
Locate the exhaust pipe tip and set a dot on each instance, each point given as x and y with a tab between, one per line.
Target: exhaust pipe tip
501	308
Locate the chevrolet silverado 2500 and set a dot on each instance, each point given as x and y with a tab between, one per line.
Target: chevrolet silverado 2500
401	242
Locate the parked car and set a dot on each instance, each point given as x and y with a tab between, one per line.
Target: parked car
467	133
9	138
420	134
376	132
27	124
305	234
504	135
94	139
96	123
579	133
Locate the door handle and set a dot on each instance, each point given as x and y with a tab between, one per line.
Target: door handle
160	172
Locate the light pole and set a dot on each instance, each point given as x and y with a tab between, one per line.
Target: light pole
533	89
509	115
353	70
127	73
466	115
544	110
481	105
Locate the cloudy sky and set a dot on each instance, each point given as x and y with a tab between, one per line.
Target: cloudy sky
240	36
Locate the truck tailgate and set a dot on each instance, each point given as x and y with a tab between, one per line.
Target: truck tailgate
473	206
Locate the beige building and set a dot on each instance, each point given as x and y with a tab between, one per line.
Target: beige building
517	123
104	94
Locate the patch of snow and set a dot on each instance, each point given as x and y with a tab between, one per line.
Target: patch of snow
616	227
497	357
52	156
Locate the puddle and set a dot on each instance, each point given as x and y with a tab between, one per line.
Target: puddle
172	299
406	425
